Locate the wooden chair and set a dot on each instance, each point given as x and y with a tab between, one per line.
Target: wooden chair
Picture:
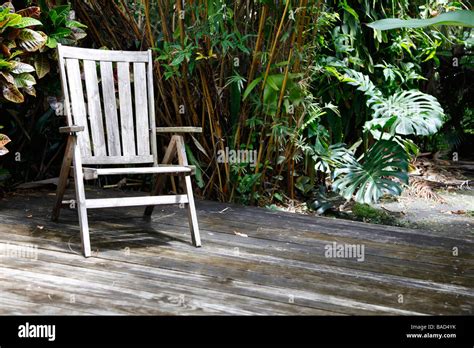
102	134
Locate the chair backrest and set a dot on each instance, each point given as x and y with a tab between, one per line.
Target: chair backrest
110	93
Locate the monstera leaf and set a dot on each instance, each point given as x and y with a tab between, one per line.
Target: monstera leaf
462	18
404	112
326	158
369	179
407	112
363	84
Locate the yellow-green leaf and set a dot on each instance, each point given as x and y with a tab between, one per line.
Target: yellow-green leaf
31	40
8	77
11	93
30	90
42	66
24	80
20	68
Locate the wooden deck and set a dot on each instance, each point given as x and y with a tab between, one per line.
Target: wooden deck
253	261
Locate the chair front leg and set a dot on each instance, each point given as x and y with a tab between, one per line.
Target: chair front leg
81	203
192	216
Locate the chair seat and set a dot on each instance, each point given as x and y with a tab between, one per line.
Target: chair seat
93	173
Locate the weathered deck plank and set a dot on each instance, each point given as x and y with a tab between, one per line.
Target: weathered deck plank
150	267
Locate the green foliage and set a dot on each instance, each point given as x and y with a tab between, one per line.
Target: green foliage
456	18
198	174
174	55
16	40
272	90
407	112
369	179
245	188
327	157
267	76
404	112
28	67
61	29
367	213
59	25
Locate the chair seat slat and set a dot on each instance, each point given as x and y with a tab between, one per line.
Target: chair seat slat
118	159
134	201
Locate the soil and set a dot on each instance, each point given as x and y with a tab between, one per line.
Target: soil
454	216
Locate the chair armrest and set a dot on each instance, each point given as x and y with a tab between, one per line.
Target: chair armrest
71	129
178	129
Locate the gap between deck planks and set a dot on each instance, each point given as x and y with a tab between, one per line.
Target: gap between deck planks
282	257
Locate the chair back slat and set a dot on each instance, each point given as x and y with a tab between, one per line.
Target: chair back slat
77	105
94	108
143	139
110	108
125	97
109	94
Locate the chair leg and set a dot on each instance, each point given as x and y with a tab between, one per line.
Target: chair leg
159	182
81	204
192	216
84	226
63	178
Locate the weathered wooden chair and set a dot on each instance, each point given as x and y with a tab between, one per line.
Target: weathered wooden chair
102	134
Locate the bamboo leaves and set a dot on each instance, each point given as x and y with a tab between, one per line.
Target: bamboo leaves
255	75
273	88
251	87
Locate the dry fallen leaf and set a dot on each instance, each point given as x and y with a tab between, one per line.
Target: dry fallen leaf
458	212
240	234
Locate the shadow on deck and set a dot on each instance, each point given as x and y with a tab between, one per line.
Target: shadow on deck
253	261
